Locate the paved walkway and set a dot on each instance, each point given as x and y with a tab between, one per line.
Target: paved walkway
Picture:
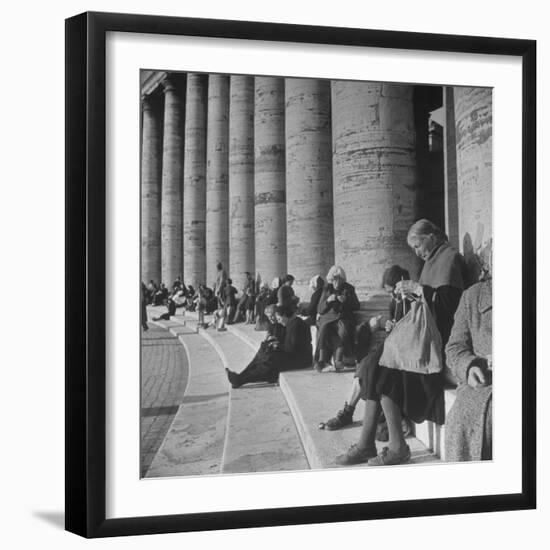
164	375
193	423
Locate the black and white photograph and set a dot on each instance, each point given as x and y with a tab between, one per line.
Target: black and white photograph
267	237
316	274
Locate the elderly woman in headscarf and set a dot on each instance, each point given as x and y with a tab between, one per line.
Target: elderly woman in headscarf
264	365
287	347
469	432
336	308
309	310
274	290
415	395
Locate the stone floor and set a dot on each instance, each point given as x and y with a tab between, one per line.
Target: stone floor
194	423
164	374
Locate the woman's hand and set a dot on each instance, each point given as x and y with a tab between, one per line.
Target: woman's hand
331	298
389	325
476	377
374	322
341	298
408	287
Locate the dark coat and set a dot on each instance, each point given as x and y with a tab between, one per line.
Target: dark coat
286	296
310	310
470	342
296	345
337	320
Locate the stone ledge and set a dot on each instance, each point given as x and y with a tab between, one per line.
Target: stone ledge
313	398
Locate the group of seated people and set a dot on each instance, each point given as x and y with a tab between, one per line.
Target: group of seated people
463	317
223	300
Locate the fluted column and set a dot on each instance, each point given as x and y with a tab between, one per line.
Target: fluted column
151	166
309	211
374	179
269	185
194	180
217	175
241	176
172	179
474	166
449	152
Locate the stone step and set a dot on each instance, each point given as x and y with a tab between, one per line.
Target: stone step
261	435
247	334
313	398
194	442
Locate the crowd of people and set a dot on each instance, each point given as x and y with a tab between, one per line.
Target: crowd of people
463	317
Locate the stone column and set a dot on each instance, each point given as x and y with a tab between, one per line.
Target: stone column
172	179
309	213
474	167
449	151
217	176
241	177
151	166
194	181
269	185
374	170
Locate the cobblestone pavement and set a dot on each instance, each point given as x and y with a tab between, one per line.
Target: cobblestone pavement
164	375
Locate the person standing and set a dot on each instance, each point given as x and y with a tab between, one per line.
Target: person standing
144	299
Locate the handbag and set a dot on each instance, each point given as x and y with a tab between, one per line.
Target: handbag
414	344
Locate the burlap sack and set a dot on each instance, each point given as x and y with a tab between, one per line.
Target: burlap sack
414	344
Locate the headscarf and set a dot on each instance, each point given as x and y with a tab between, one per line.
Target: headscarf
276	283
335	271
444	267
316	282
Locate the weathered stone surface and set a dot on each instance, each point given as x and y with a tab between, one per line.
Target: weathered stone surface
241	176
194	443
172	179
309	213
151	166
194	181
164	375
269	185
449	149
374	179
474	164
314	398
217	175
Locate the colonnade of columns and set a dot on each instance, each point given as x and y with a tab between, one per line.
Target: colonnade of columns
272	175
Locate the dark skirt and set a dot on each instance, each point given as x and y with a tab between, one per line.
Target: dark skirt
264	367
335	334
419	396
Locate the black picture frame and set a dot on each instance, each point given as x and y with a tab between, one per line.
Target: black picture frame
86	273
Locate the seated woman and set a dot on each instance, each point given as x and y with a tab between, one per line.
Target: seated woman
337	322
190	299
401	393
248	294
262	322
469	431
262	368
171	305
364	372
285	295
296	347
161	295
274	290
287	346
309	311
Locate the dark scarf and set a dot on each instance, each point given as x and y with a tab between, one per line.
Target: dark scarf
444	267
